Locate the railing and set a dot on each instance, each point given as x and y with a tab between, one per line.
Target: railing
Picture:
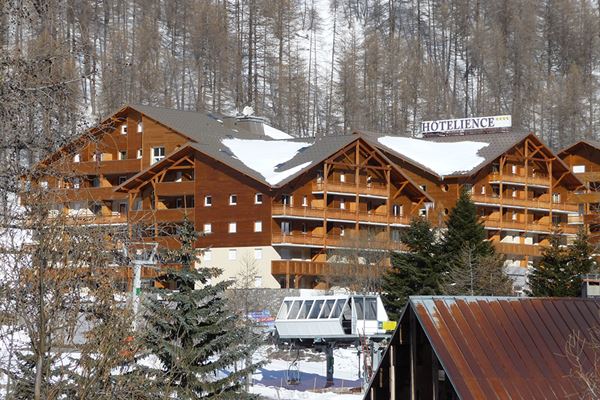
88	193
575	219
336	241
162	215
519	249
526	203
106	167
529	226
376	189
89	218
315	268
175	188
338	213
538	180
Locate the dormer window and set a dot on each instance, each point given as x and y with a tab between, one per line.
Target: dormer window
124	129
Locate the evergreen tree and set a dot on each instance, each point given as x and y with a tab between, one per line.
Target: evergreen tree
471	265
558	273
191	333
464	230
416	272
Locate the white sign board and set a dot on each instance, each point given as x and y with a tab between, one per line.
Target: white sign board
465	124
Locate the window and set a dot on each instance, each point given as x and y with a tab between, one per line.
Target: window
139	154
258	226
76	183
468	187
483	190
96	182
304	201
304	230
232	227
342	231
123	208
208	255
514	216
97	156
286	200
124	129
207	201
513	169
232	254
179	203
397	210
423	212
556	197
342	178
258	198
232	199
258	281
444	187
122	155
207	228
158	153
140	127
122	180
286	227
423	187
514	193
342	204
44	184
76	158
178	176
258	254
138	204
578	169
395	235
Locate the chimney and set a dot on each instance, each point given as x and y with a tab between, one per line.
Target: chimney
248	124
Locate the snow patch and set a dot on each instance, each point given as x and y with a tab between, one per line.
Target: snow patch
264	156
275	133
441	158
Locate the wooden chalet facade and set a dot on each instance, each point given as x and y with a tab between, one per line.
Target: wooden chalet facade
583	158
282	206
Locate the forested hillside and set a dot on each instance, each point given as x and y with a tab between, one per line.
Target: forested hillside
314	66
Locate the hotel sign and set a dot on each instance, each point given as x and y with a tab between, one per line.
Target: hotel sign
465	124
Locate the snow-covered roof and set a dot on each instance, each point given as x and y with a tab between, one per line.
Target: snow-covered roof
266	156
441	158
275	133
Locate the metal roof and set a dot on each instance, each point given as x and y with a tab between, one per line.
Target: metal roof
507	347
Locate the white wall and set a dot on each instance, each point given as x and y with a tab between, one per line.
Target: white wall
219	257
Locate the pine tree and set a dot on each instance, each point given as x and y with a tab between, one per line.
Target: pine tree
464	230
416	272
558	273
471	264
191	333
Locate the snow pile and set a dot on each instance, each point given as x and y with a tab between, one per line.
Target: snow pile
264	156
441	158
275	133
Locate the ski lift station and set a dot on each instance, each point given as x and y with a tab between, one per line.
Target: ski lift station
332	317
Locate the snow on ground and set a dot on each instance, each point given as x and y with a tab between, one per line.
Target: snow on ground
270	380
441	158
264	156
275	133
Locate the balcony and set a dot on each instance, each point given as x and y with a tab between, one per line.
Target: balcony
182	188
338	214
591	197
89	218
538	180
162	215
575	219
529	226
89	194
373	189
314	268
336	241
519	249
524	203
592	218
128	166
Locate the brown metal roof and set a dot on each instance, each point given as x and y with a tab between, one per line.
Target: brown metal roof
509	347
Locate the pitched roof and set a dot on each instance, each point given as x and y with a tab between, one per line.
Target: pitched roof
507	347
589	142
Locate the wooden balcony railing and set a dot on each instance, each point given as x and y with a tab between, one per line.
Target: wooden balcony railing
591	176
128	166
575	219
336	241
87	194
519	249
529	226
175	188
315	268
525	203
375	189
162	215
591	197
88	218
538	180
337	213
